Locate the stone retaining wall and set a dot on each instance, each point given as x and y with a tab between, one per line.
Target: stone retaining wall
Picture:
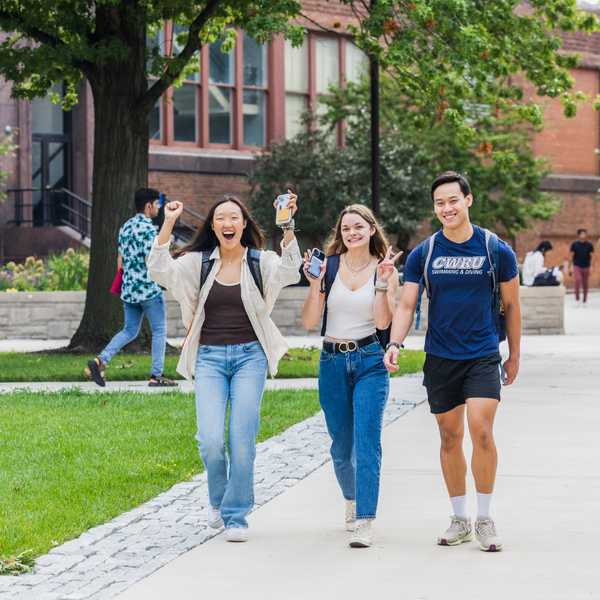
56	315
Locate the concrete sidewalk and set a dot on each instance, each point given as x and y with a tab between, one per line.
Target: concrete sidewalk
546	507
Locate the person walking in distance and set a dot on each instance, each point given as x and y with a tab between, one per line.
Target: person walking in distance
580	264
468	274
140	295
226	286
354	296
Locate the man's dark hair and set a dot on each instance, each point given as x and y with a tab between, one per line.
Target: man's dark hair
544	246
451	177
582	230
143	196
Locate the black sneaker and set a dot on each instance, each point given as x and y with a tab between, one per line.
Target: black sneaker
160	381
95	372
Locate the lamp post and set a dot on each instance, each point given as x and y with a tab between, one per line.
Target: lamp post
375	149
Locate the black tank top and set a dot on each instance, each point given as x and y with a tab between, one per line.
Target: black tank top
225	318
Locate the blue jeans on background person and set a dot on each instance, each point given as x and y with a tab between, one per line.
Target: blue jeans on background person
353	391
156	313
234	374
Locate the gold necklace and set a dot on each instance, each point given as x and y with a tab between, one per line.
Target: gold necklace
355	272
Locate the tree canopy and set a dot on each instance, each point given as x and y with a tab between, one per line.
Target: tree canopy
76	39
453	53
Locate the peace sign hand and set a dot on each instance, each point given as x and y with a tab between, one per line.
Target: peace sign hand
388	265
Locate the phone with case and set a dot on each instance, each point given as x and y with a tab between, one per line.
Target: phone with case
283	214
317	258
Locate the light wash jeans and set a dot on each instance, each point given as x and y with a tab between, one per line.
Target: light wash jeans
234	375
353	391
155	311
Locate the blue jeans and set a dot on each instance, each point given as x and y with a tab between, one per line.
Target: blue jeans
156	313
235	375
353	391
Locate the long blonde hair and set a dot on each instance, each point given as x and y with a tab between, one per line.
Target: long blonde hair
378	243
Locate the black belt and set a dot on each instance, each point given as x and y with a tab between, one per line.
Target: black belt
349	346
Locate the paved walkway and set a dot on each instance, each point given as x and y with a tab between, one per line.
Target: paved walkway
546	505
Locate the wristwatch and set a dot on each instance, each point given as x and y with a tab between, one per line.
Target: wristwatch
394	345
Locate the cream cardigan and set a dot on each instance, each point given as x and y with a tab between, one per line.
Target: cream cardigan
182	278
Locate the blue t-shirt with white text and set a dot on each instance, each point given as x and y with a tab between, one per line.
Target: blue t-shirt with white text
461	324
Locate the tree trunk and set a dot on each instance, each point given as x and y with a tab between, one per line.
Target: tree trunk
120	167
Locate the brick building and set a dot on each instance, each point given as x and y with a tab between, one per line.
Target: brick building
204	133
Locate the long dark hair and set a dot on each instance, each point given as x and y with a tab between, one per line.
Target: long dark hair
544	246
205	238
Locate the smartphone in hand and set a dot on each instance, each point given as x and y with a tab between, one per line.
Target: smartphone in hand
317	258
283	214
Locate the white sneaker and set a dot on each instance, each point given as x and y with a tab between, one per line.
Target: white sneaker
350	519
458	532
213	517
362	536
236	534
487	536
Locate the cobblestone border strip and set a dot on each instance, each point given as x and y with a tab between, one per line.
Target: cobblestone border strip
108	559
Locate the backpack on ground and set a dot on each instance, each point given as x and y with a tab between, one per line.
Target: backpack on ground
253	258
545	279
331	271
493	255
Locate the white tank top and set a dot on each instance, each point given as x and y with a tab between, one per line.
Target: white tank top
350	313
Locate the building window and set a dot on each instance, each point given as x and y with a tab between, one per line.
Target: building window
220	95
222	102
356	62
155	122
296	86
184	113
255	92
327	63
155	43
310	71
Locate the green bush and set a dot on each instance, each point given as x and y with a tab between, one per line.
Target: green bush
60	272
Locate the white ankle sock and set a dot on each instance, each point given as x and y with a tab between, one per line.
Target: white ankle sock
483	505
459	506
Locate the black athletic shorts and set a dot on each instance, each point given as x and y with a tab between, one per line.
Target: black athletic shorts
450	382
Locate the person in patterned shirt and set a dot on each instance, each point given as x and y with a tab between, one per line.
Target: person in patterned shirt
140	295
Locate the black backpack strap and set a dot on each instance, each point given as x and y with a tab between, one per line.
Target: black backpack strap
492	246
425	253
207	265
331	270
253	258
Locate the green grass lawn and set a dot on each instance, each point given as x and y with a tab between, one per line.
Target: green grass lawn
18	367
70	461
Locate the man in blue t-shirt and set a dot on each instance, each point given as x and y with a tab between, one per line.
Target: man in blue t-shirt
462	366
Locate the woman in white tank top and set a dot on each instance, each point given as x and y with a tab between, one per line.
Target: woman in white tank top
354	296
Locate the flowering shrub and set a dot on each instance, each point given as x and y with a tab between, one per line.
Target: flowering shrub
69	271
61	272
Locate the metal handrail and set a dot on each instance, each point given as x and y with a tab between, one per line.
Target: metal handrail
79	198
75	208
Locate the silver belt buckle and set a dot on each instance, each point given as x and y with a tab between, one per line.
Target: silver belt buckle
346	347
